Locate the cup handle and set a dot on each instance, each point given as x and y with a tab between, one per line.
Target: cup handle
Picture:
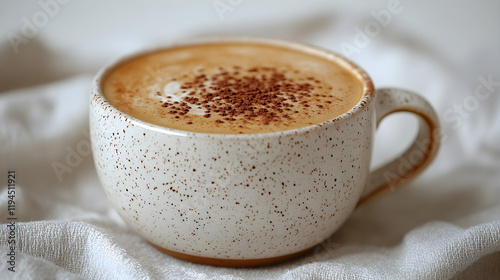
418	156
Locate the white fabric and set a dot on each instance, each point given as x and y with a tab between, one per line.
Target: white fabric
444	224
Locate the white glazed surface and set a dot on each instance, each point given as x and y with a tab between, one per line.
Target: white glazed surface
247	196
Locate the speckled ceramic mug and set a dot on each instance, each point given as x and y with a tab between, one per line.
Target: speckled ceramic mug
251	199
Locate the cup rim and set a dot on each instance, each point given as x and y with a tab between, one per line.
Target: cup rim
366	97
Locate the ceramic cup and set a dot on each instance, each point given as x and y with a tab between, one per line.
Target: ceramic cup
251	199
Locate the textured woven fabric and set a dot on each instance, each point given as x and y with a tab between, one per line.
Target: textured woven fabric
445	224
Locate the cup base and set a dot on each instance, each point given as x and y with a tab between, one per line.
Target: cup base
232	262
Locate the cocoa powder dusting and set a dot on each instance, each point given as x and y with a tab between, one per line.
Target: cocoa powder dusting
262	93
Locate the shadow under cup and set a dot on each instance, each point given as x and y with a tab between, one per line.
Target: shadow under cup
247	199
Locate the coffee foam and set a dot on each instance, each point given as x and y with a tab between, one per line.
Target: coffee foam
162	88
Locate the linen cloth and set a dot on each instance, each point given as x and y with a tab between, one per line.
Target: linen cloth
445	224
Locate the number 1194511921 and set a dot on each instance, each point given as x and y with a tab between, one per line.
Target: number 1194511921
11	193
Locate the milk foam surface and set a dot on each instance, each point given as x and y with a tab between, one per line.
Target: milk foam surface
232	88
